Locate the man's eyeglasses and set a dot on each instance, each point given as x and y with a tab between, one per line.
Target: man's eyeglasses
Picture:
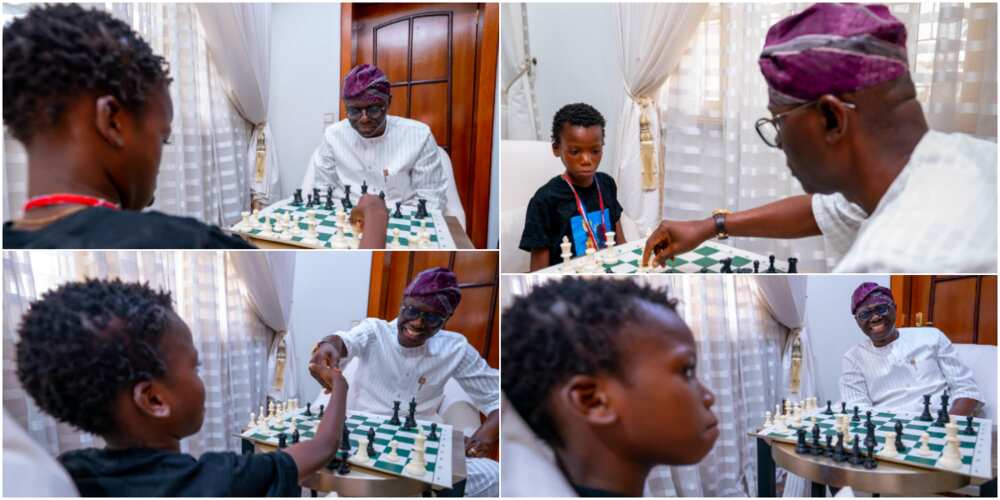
375	111
430	319
769	129
880	310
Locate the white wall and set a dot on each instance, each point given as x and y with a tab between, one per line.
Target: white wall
330	293
577	50
305	83
832	328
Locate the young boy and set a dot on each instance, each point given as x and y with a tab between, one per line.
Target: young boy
115	360
582	203
603	370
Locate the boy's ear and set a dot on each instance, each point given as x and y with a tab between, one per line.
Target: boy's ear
555	150
146	397
587	396
108	120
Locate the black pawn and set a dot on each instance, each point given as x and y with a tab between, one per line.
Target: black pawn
793	265
296	436
856	417
870	434
817	449
756	266
783	405
398	213
345	442
926	415
371	448
344	468
829	409
364	187
282	441
828	451
843	407
308	412
395	414
727	266
870	462
856	456
434	432
900	447
770	267
942	417
868	417
969	430
800	446
321	411
839	455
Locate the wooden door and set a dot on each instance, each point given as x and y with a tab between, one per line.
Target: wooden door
963	307
441	61
478	312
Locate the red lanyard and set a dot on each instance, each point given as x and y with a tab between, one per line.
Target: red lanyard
583	210
68	199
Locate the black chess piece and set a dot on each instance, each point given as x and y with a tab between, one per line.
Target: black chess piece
297	197
800	446
793	265
282	441
334	463
944	401
434	432
371	442
756	266
364	188
856	456
870	434
900	447
309	201
817	448
828	451
770	267
321	407
395	414
839	455
329	191
398	213
411	416
727	266
784	403
942	417
344	468
316	194
843	407
969	430
856	417
346	202
829	409
296	436
308	412
422	209
870	462
329	203
381	195
868	417
926	415
345	441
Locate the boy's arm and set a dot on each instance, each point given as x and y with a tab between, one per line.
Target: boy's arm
619	234
327	354
539	259
485	440
310	455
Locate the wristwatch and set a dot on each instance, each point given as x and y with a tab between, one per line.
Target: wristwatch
719	216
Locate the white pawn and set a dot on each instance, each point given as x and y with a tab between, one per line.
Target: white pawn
951	458
361	456
767	419
393	456
253	421
567	254
925	446
889	447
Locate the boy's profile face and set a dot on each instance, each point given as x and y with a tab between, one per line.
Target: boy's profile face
664	410
181	388
580	149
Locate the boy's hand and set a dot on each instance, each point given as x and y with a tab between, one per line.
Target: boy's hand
675	237
370	208
324	366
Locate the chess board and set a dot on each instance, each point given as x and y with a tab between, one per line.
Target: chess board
437	454
707	258
327	227
974	449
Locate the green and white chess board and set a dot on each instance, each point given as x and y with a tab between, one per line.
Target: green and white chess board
627	259
974	449
437	453
283	222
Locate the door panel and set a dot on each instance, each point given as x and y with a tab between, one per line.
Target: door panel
988	311
963	307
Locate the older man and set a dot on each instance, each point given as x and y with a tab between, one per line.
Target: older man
389	154
893	370
412	357
887	194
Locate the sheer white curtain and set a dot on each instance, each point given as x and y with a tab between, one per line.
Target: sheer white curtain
232	343
739	358
652	38
239	38
268	277
520	120
714	158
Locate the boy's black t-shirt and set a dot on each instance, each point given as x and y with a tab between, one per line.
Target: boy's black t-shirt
99	227
553	214
143	472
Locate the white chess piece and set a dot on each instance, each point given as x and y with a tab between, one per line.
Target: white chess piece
567	254
889	447
767	419
951	457
253	421
246	219
951	430
395	238
417	466
361	456
925	446
393	456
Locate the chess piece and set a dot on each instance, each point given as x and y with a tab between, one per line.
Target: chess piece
422	209
951	430
395	413
411	420
365	451
346	203
393	455
398	214
727	266
567	253
926	415
784	406
345	441
296	436
900	447
925	446
816	449
417	465
321	411
282	441
344	468
364	187
308	412
889	446
839	454
767	419
756	266
800	446
951	457
793	265
770	268
371	442
329	204
253	421
969	430
434	429
870	434
829	410
297	198
828	450
856	417
381	195
856	457
870	462
843	407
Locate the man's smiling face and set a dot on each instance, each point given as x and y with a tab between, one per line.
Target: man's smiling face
877	320
417	323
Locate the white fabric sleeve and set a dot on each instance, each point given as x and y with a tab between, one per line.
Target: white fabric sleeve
325	167
959	377
357	340
839	220
427	179
853	388
479	380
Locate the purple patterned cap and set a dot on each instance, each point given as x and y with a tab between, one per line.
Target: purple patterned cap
832	49
869	293
366	83
437	288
